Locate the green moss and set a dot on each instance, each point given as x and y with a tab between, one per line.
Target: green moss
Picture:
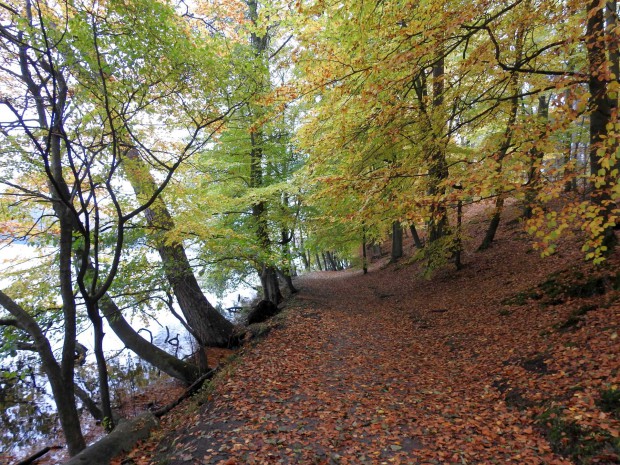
576	317
610	402
521	298
571	440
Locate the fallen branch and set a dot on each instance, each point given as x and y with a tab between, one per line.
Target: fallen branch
188	393
28	460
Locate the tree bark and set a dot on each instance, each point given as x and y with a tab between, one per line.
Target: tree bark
62	389
416	238
536	157
397	241
438	170
145	350
600	117
207	323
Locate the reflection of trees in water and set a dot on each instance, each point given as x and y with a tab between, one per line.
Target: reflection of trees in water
27	411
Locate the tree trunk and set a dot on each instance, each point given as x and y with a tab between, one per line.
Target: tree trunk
332	262
206	322
144	349
62	388
271	287
318	261
102	369
494	224
364	255
267	271
397	241
536	157
438	170
600	118
416	238
505	146
286	277
458	243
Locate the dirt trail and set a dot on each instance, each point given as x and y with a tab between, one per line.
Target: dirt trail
364	371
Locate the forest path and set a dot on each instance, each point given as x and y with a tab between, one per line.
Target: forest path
364	370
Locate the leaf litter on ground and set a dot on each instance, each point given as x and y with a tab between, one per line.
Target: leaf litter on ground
393	368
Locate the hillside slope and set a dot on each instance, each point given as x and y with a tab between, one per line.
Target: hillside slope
513	359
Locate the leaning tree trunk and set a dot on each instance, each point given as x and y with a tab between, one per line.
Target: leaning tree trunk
416	238
144	349
206	322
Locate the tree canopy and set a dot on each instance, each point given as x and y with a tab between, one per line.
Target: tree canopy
244	140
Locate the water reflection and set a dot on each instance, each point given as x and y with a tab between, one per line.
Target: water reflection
27	410
28	419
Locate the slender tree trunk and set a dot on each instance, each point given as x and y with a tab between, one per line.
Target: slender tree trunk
397	241
536	157
89	403
458	244
505	146
364	255
332	261
206	322
304	254
318	261
416	238
102	369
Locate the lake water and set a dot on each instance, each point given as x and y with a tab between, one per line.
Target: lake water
28	420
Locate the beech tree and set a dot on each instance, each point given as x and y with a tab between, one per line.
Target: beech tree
454	94
81	91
